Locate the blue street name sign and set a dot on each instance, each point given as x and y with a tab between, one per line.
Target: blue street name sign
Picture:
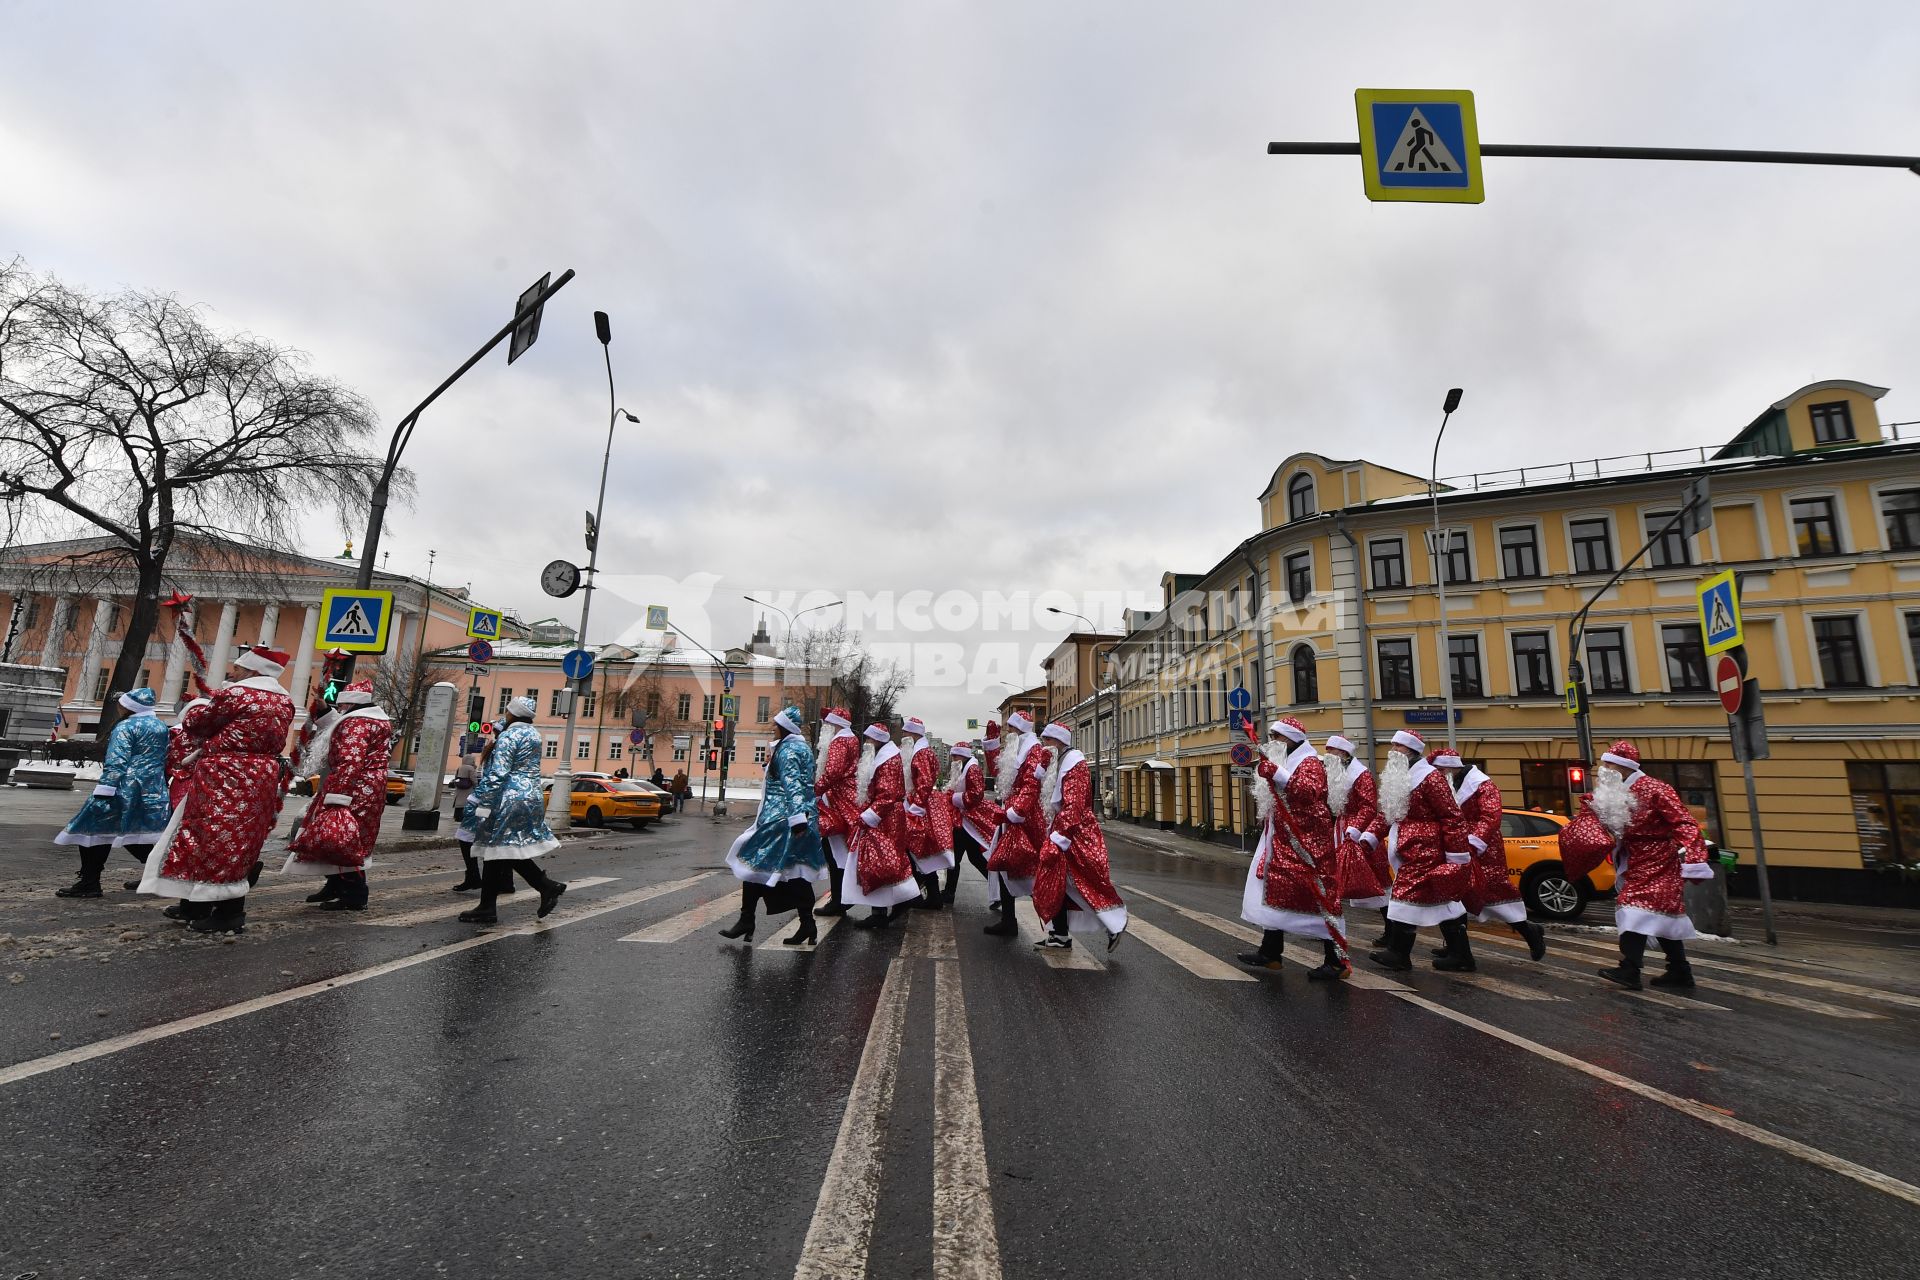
1428	715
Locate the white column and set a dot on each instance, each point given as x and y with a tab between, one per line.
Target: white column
96	649
400	643
222	651
269	623
303	659
169	692
56	631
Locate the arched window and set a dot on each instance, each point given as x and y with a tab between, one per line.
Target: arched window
1300	496
1306	675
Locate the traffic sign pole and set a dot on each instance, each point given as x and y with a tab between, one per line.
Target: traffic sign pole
1759	845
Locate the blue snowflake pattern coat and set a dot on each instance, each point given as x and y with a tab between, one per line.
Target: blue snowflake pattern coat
776	847
129	806
516	824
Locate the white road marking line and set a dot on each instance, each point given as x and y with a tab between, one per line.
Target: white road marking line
842	1226
1772	975
1183	953
102	1048
1593	982
1247	933
1686	1106
1032	931
787	927
448	910
966	1244
1820	1007
674	928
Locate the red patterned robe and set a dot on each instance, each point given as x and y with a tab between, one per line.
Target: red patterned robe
839	813
1284	890
343	819
1429	852
1073	861
232	796
1364	873
974	811
1014	857
930	831
1492	895
180	745
879	868
1660	848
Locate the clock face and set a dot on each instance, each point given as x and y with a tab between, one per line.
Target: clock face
560	579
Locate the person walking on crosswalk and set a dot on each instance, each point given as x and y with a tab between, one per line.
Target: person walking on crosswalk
128	807
1074	879
507	813
779	859
1492	896
342	821
879	867
929	822
836	780
1427	845
973	815
1293	882
1014	856
1353	797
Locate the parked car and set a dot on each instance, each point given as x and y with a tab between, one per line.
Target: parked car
397	784
1533	860
599	798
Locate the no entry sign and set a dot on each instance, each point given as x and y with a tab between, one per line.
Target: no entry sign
1728	681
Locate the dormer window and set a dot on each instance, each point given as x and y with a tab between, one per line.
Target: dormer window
1300	496
1832	423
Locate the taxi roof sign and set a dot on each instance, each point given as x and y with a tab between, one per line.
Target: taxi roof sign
1720	625
1420	144
354	620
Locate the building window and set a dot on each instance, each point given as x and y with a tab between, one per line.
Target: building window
1532	664
653	706
1260	694
683	707
100	685
1832	423
706	707
506	696
614	746
1463	664
1592	545
1816	529
1299	496
1837	641
583	749
1886	811
33	614
764	712
1666	550
760	753
1900	508
1913	640
1389	559
1519	551
551	749
1306	675
1396	668
679	753
1694	780
1686	658
1455	559
1299	576
586	705
73	618
1607	660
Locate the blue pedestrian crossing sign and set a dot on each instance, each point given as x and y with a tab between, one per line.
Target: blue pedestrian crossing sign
483	624
1420	144
354	620
1720	628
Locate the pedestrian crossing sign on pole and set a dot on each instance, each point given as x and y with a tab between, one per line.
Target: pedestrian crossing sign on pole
354	620
1420	144
483	624
1720	627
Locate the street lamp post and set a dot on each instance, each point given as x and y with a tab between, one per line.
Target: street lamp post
1440	564
787	639
560	802
1099	743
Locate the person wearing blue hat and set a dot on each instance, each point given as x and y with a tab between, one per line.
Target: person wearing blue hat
779	858
128	808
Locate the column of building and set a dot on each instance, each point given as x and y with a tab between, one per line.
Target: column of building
56	631
96	650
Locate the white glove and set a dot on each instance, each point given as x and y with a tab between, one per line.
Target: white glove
1013	816
1696	871
106	789
916	811
1459	859
1353	833
1479	845
797	820
870	817
337	798
1060	842
482	812
1371	840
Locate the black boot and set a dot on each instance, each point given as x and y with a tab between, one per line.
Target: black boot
186	912
92	860
1679	974
351	892
834	906
808	933
541	883
493	875
1633	948
471	880
1006	926
1459	957
1396	954
930	898
880	919
742	928
139	852
1536	938
953	883
329	890
1332	967
1385	940
1272	946
229	915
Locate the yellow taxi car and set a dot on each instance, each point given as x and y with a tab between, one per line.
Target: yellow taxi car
1533	860
599	799
397	784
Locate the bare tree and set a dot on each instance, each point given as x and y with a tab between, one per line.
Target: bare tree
129	416
400	689
868	688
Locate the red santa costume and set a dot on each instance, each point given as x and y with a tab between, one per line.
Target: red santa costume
929	825
180	745
1013	857
970	815
1353	797
1293	882
990	759
1428	850
342	821
836	779
1073	880
879	869
1656	846
232	795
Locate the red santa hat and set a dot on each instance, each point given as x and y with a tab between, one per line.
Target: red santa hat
1411	741
1059	733
961	748
264	659
1444	758
1020	722
1340	742
840	716
879	733
357	694
915	726
1624	754
993	734
1289	728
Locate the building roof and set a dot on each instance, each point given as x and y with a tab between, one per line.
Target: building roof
653	655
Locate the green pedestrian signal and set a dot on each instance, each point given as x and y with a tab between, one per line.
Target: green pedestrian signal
331	693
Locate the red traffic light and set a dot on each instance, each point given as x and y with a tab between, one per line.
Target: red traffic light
713	759
1576	777
719	725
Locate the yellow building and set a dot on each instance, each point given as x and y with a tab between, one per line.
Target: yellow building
1331	613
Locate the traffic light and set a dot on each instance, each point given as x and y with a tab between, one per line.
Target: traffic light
1576	777
476	711
331	693
713	758
719	727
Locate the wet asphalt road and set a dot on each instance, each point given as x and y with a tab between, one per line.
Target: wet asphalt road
562	1102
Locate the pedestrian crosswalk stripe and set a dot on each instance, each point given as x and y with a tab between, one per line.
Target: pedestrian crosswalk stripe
1514	990
1183	953
966	1245
1820	1007
1032	931
1587	979
1774	975
449	910
674	928
1246	933
784	927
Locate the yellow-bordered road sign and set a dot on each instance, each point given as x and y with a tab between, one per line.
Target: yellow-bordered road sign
483	624
354	620
1420	144
1720	628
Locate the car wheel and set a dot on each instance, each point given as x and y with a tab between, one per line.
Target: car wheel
1549	892
640	824
593	817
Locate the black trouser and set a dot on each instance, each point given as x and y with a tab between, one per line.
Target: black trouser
350	887
834	876
967	849
466	860
499	873
1633	948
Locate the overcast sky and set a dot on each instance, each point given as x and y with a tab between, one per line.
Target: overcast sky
959	297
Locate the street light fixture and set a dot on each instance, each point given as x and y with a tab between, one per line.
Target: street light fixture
1440	564
786	639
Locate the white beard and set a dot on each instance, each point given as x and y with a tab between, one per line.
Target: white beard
1338	781
1262	798
957	778
866	772
1050	785
1396	790
827	734
314	759
1011	756
908	745
1277	751
1613	800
